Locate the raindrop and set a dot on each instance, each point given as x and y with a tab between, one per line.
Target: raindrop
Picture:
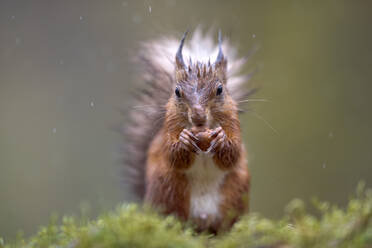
330	134
12	17
91	104
18	40
253	36
61	62
54	130
137	19
150	9
324	165
81	18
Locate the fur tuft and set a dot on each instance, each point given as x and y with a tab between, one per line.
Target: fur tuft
157	59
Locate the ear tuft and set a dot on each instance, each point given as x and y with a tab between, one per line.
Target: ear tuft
179	58
221	62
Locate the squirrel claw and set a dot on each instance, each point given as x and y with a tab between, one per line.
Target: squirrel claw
216	132
190	134
186	138
218	140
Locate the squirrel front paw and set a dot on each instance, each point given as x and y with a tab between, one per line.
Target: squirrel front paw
218	137
188	141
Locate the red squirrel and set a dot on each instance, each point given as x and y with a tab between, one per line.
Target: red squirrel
185	151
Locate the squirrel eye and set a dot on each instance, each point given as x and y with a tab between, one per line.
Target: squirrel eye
219	90
177	92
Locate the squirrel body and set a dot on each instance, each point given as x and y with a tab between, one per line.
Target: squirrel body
201	191
193	162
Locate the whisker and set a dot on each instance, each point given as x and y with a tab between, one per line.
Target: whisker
157	111
255	100
265	121
156	122
146	106
159	119
151	108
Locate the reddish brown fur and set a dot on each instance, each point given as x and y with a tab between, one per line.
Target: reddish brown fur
167	185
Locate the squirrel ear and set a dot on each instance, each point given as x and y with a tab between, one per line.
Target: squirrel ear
221	62
180	64
220	56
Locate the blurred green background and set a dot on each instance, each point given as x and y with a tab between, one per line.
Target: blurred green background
66	68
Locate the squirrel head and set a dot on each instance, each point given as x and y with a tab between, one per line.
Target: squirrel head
201	98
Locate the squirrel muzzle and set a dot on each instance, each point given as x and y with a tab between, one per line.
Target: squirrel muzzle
198	116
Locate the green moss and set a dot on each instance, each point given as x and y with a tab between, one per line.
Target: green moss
130	226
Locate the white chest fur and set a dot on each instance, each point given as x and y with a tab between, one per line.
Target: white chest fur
205	180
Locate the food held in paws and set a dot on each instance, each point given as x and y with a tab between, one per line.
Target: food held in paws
203	135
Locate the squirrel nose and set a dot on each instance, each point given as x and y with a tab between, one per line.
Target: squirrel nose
198	116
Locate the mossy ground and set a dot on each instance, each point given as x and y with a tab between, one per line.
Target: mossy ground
131	226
